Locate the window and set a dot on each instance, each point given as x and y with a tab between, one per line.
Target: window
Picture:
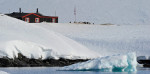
37	20
27	20
53	20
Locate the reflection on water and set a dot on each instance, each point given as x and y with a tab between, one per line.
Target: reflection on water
50	70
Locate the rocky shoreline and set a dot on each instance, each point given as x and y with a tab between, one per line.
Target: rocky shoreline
22	61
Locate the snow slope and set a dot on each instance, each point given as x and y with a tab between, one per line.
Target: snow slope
115	63
107	40
35	42
96	11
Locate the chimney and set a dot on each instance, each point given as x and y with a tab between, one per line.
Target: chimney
19	10
37	10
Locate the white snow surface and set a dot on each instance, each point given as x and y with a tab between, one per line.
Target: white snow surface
107	39
35	42
115	63
3	72
97	11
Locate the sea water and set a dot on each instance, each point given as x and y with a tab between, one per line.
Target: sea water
54	70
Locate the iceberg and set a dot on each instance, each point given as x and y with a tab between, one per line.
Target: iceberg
116	63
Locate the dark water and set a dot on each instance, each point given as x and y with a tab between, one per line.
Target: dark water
49	70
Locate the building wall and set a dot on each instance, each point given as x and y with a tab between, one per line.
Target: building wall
32	19
46	19
56	20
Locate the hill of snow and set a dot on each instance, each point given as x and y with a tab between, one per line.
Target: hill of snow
97	11
107	39
35	42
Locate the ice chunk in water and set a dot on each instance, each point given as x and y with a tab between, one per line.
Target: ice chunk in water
115	63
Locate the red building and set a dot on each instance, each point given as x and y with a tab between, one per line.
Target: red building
33	17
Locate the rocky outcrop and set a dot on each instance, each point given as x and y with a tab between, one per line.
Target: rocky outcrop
22	61
146	63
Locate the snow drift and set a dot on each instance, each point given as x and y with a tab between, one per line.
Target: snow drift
116	63
35	42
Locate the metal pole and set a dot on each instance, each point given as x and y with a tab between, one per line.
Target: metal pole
9	10
75	13
55	13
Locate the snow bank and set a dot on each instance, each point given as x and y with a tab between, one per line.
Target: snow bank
116	63
29	49
2	72
35	42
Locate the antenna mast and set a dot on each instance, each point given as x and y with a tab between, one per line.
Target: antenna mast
55	12
9	10
75	13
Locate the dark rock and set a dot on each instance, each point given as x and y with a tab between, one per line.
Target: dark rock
22	61
6	62
146	63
